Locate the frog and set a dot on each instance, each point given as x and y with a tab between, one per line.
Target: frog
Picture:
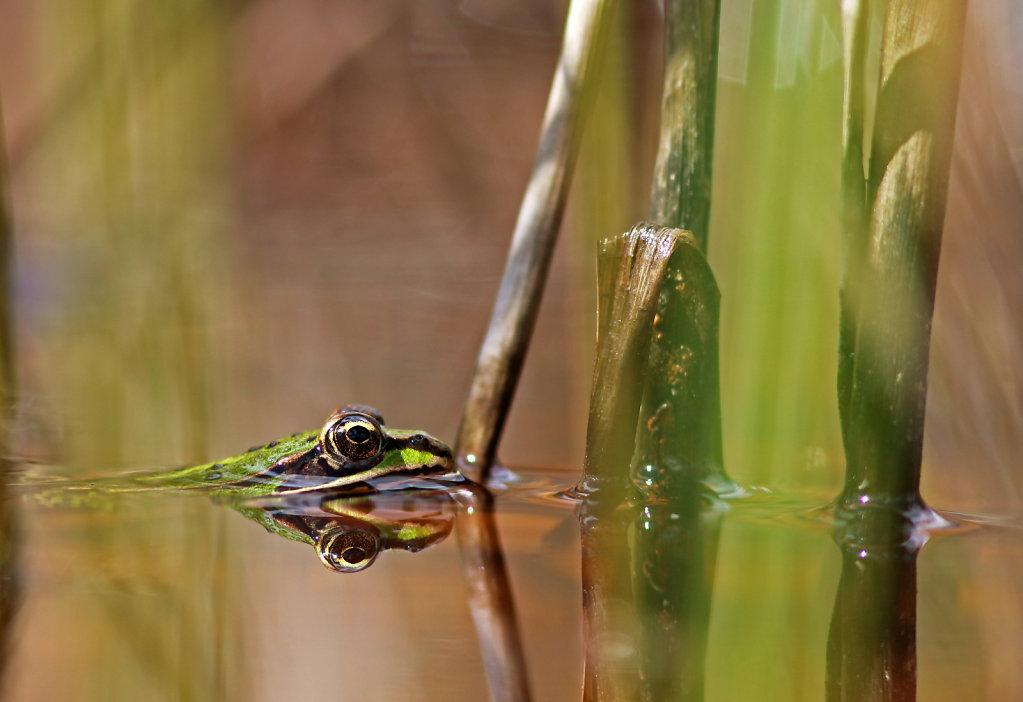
354	450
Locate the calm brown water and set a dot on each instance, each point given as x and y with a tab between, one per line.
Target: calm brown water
175	597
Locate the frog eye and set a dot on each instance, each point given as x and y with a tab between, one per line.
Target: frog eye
348	550
353	437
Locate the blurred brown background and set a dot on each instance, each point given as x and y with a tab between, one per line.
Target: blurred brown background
233	216
331	185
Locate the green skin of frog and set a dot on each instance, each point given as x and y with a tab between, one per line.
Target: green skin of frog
353	449
353	455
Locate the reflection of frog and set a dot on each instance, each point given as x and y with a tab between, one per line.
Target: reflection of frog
349	532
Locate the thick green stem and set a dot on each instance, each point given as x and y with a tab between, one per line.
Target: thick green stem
893	217
678	451
871	655
660	606
679	436
678	467
630	269
680	196
893	242
855	30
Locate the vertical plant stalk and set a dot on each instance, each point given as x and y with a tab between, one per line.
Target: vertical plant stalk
609	615
680	422
680	195
674	556
518	299
9	586
893	242
678	448
630	272
893	212
855	38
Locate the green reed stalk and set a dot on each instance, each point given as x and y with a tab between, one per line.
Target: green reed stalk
894	186
630	271
678	469
871	651
678	456
893	210
678	448
680	195
662	603
680	423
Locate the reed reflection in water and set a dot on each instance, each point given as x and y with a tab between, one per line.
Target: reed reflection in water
872	641
747	598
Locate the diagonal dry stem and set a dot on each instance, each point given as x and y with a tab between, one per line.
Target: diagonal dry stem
518	299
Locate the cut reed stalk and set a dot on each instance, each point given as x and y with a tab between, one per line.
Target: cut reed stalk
678	470
630	271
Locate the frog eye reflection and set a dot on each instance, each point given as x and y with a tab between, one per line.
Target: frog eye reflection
354	437
348	550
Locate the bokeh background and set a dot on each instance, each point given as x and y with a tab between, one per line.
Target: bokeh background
232	216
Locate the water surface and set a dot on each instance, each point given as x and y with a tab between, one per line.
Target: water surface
176	597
